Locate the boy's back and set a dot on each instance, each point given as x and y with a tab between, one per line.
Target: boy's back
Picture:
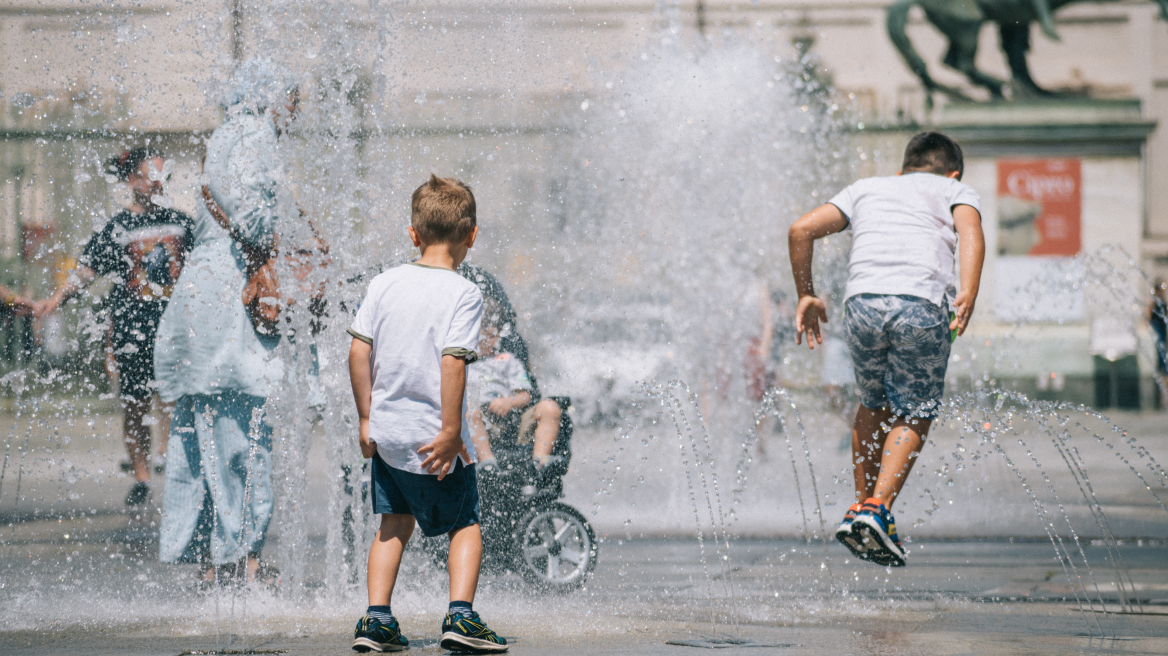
903	235
413	315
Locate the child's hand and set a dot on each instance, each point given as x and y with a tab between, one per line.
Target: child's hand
963	308
442	451
368	448
810	312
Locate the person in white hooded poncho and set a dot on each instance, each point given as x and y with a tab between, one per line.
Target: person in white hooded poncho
209	359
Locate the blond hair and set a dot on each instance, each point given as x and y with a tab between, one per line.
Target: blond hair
442	210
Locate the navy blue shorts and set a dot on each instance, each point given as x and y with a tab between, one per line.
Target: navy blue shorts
440	506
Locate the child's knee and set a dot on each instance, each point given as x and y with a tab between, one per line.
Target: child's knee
548	409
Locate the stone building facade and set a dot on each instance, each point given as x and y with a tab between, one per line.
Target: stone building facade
83	79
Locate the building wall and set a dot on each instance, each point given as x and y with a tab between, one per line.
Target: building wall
454	82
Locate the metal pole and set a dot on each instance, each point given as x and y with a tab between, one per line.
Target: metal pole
701	12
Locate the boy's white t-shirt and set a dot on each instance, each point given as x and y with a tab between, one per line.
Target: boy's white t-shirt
412	315
903	239
498	376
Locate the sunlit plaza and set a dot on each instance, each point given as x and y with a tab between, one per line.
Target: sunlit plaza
638	168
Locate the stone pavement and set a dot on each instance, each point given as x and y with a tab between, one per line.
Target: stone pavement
89	581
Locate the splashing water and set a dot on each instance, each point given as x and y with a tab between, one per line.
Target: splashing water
674	179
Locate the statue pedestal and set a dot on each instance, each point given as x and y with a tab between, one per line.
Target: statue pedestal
1063	210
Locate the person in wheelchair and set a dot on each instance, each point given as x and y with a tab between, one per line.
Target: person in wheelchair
506	416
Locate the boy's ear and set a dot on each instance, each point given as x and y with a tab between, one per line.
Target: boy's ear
470	240
900	172
953	175
414	236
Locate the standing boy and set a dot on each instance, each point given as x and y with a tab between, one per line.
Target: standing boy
413	336
897	317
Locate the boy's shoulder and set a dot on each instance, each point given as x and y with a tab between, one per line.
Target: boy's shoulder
915	179
901	188
419	276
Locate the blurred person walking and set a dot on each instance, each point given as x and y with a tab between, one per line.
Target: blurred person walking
211	359
1157	316
141	249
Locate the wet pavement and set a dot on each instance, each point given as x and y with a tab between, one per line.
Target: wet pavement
80	575
98	591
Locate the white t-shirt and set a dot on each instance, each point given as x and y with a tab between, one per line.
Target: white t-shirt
903	239
498	376
412	315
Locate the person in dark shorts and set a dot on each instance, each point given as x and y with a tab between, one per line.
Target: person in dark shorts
414	334
141	249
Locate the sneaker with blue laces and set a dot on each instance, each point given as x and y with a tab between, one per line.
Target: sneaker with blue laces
850	540
875	527
467	632
372	635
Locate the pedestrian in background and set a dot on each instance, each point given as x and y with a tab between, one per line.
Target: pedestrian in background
211	360
1157	315
142	249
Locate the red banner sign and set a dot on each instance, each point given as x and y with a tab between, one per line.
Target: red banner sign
1039	207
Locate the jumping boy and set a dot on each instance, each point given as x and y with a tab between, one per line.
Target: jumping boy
413	336
897	317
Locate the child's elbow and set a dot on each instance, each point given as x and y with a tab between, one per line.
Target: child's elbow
798	232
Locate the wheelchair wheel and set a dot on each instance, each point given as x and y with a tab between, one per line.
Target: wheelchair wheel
557	548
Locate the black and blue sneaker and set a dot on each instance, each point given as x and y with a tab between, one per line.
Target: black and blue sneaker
844	533
372	635
467	632
875	527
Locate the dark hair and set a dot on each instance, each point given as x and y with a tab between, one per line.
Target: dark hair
124	165
933	152
442	210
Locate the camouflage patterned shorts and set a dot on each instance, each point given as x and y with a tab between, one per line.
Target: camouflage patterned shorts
900	349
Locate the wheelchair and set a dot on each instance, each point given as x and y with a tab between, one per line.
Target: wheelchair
526	528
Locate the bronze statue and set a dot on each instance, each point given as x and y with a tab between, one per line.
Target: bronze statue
961	20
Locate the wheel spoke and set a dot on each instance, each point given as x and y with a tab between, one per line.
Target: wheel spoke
553	567
577	557
537	551
567	527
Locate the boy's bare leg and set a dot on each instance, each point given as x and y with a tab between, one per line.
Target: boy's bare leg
547	427
466	556
385	556
867	436
901	448
137	436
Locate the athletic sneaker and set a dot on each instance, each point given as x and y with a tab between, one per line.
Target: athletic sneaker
372	635
470	633
847	538
876	528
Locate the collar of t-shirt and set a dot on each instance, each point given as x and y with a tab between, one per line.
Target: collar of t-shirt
430	266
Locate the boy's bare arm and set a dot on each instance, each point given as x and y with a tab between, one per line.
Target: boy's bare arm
818	223
361	377
447	445
505	404
971	245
